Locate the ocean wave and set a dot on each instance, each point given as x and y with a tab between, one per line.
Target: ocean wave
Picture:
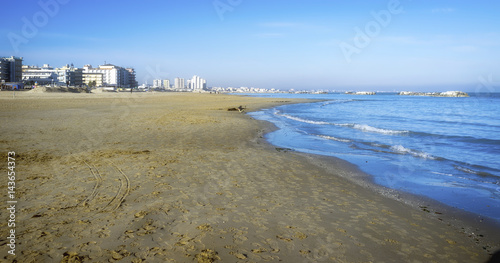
337	102
399	149
333	138
470	171
368	128
361	127
303	120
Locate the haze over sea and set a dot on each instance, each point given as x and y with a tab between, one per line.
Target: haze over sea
444	148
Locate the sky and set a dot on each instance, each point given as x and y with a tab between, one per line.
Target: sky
383	45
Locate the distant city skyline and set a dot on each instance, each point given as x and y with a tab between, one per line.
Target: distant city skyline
356	45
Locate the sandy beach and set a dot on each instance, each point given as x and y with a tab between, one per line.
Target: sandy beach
176	177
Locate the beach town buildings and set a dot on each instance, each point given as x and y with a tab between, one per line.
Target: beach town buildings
161	83
112	76
11	69
66	75
106	75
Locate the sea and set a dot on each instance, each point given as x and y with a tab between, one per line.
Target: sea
443	148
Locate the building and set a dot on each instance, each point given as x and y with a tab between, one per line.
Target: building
179	83
132	82
166	83
70	75
157	83
198	83
92	79
11	69
45	75
113	76
67	75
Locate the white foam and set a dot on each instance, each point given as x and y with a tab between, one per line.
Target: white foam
403	150
333	138
361	127
467	170
303	120
451	175
367	128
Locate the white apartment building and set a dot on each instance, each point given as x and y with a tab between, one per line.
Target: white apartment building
166	84
40	75
198	83
67	75
113	76
157	83
179	83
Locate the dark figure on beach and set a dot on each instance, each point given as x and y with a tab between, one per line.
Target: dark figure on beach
131	90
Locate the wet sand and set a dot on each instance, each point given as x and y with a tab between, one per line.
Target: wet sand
175	177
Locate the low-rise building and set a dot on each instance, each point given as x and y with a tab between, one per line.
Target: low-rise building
67	75
70	75
92	79
113	76
39	75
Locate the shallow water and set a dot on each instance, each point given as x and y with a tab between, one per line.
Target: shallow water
447	149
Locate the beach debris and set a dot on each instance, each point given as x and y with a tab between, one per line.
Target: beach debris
240	109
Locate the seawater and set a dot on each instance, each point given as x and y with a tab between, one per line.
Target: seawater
447	149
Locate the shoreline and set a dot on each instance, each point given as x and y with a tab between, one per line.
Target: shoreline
475	226
415	200
177	177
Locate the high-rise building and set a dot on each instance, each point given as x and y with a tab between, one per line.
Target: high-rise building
166	83
179	83
157	83
11	69
198	83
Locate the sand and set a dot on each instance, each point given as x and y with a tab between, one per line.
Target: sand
175	177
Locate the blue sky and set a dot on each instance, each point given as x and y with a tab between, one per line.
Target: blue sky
344	45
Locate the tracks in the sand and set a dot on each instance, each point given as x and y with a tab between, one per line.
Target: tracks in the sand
104	181
97	175
126	191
